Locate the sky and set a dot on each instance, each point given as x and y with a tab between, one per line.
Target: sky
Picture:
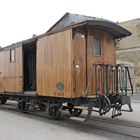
20	19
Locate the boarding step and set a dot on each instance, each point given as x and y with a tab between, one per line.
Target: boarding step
77	119
92	96
30	93
126	110
81	107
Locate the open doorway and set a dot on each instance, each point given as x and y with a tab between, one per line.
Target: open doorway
29	66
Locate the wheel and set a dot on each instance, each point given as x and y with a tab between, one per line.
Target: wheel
104	105
75	112
54	112
42	107
23	106
3	100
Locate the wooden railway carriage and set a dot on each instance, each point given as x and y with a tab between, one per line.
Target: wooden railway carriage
72	66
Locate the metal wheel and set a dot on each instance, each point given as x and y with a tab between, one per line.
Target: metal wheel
42	107
75	112
20	105
3	100
54	112
23	106
104	105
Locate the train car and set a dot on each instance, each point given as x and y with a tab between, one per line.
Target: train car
70	67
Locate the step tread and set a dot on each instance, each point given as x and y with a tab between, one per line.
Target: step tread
91	96
77	119
81	107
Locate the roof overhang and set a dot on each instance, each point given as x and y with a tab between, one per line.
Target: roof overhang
110	27
114	29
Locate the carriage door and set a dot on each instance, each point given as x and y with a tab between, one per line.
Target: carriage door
79	62
95	56
29	67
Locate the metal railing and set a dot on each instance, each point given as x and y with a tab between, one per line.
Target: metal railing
109	79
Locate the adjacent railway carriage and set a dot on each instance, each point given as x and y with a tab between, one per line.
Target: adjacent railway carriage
70	67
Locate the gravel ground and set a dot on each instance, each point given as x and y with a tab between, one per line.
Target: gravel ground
136	97
15	125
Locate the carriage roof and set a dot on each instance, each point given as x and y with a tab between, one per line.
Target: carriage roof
69	21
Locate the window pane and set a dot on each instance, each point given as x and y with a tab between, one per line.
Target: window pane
96	46
12	55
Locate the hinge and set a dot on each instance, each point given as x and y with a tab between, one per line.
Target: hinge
74	77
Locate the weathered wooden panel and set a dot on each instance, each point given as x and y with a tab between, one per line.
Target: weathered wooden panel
79	60
108	49
54	65
41	72
1	71
13	71
13	84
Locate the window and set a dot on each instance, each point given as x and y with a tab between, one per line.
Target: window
12	55
96	46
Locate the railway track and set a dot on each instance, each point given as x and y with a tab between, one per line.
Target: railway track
124	128
117	122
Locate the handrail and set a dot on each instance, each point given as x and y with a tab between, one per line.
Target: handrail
130	81
119	78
